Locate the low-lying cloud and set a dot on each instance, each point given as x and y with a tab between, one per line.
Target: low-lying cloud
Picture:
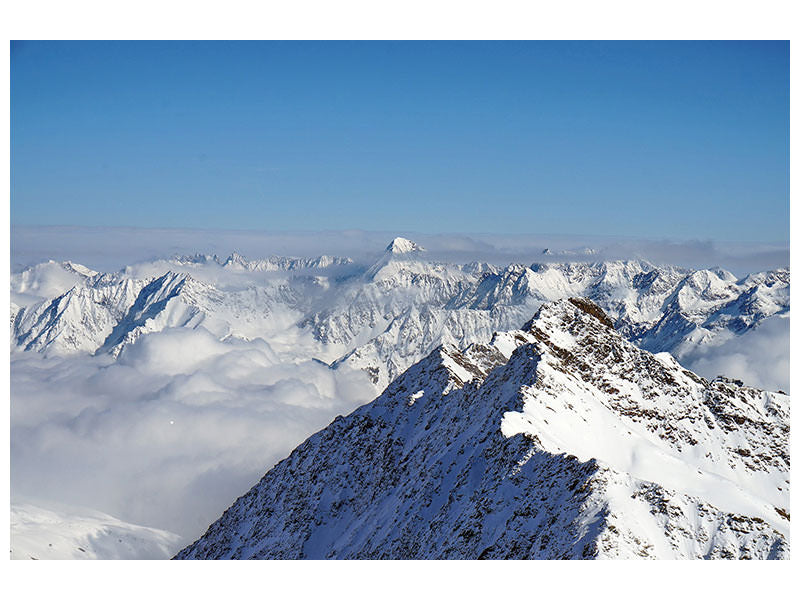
759	357
170	434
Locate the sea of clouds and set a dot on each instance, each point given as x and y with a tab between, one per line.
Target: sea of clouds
168	435
759	357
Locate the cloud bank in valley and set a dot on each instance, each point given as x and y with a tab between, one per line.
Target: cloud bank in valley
168	435
759	357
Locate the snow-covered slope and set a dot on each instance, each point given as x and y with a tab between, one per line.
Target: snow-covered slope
80	319
558	440
281	263
38	533
322	322
108	311
46	280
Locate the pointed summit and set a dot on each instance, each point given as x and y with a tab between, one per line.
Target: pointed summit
401	245
400	250
235	261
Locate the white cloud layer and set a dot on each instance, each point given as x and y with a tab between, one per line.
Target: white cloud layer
164	437
759	357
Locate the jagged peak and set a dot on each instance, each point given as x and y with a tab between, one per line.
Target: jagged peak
235	258
625	426
447	367
566	307
196	258
590	308
401	245
475	361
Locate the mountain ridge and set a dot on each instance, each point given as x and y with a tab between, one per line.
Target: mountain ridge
457	459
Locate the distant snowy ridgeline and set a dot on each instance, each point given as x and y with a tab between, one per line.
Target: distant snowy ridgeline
383	317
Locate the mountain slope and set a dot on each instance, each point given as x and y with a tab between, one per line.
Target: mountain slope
559	440
69	534
108	311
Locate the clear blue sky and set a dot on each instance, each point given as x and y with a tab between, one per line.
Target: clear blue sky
665	139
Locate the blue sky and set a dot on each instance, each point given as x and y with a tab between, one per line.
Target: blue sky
674	140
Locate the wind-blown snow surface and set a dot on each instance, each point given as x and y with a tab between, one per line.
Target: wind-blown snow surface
561	440
157	393
48	534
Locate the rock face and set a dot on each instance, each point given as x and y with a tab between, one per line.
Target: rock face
558	440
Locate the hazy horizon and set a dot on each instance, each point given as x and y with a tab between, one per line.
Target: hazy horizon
112	248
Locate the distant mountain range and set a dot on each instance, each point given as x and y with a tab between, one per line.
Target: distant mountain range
382	317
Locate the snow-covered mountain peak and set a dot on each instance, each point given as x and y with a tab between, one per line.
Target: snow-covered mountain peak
47	279
235	261
400	308
447	368
195	259
423	331
401	245
403	259
566	312
567	441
